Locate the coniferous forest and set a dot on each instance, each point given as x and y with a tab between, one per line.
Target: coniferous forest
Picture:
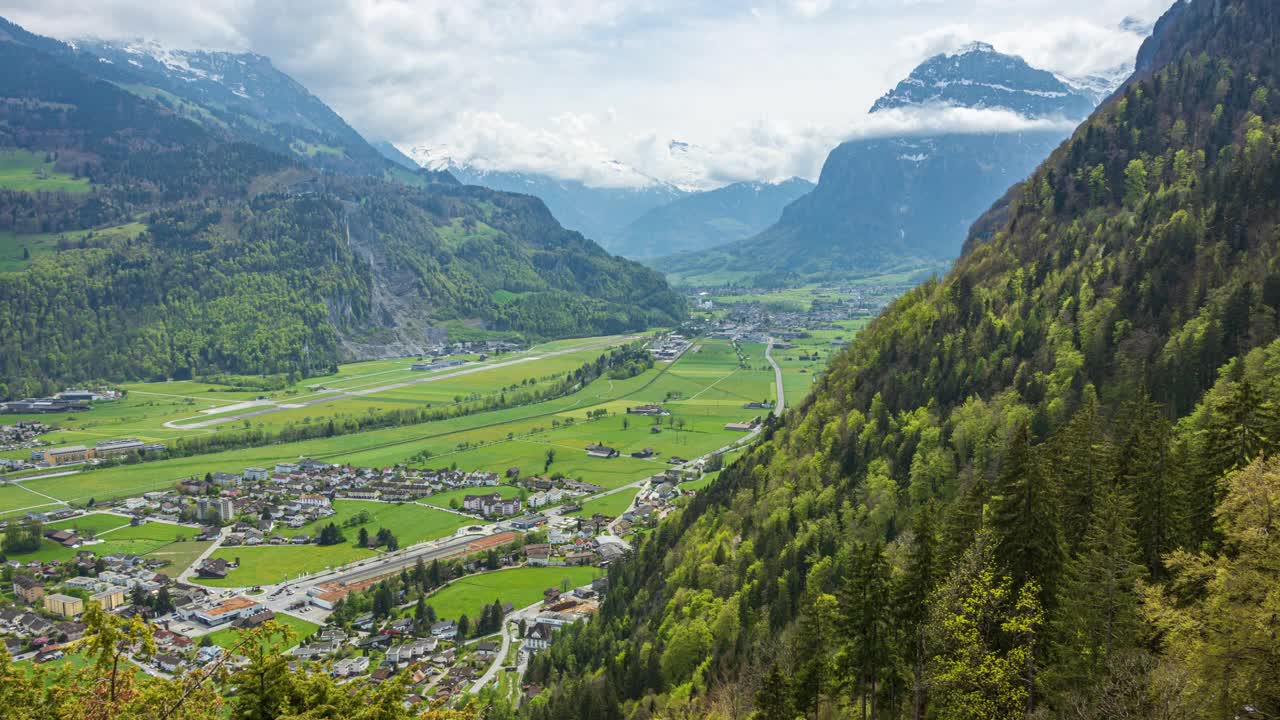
1040	486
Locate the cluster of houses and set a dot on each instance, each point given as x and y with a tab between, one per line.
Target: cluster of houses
22	435
50	598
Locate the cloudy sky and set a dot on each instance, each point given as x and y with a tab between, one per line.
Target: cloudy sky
762	89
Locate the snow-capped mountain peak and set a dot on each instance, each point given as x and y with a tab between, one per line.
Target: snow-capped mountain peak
978	76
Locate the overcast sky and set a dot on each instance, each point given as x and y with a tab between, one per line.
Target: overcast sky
763	89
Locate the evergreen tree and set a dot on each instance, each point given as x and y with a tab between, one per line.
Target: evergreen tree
1083	461
773	700
911	600
1023	518
362	539
813	649
866	622
1098	606
1148	473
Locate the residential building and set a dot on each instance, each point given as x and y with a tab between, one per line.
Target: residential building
64	605
27	588
110	599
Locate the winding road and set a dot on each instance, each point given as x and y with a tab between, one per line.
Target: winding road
777	377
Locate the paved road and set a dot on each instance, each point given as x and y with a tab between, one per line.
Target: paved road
508	623
777	377
330	397
188	571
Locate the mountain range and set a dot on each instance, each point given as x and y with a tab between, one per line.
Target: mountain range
888	203
167	230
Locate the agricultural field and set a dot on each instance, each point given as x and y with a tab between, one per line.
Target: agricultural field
519	586
155	539
447	498
270	564
228	637
163	411
409	522
611	505
704	390
27	171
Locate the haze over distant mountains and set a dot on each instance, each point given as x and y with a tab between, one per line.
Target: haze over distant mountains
638	215
885	203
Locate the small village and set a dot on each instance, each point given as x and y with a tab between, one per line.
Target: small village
444	656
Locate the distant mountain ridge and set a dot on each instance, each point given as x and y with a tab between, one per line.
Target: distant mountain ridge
976	76
702	220
889	203
241	94
599	212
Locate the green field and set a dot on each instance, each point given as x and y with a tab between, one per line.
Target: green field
117	536
19	250
32	172
704	390
442	499
409	522
518	586
147	407
611	505
229	637
269	564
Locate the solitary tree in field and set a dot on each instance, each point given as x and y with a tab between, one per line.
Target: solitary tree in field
551	457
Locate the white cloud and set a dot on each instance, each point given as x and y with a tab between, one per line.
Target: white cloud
566	86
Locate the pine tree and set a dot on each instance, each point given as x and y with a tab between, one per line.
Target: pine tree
773	700
813	649
1098	604
362	539
1023	518
1148	473
911	601
866	622
1083	460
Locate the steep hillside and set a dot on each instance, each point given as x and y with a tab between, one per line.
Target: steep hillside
706	219
1032	488
885	203
190	251
240	94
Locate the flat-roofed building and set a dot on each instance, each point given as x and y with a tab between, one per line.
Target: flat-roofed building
109	599
67	455
64	605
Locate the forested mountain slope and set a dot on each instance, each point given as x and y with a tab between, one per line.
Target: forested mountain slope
241	94
191	251
1032	488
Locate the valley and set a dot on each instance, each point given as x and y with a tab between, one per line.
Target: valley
938	380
